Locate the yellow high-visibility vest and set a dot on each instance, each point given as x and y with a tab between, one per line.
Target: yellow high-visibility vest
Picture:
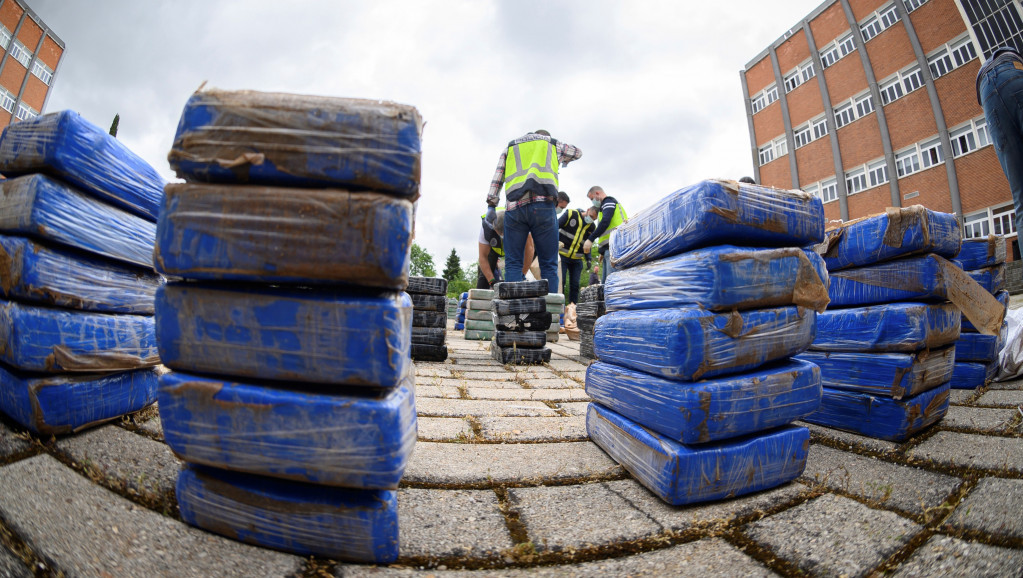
533	160
617	219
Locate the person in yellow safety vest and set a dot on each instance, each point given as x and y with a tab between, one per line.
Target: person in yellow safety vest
573	226
528	171
612	214
491	249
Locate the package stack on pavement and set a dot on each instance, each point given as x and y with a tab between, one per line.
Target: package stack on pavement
886	344
694	390
452	308
479	323
292	396
521	321
976	357
590	307
556	307
77	226
463	301
429	318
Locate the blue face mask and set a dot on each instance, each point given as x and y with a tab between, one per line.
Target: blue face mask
587	219
596	203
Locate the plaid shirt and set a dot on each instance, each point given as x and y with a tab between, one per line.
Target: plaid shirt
566	154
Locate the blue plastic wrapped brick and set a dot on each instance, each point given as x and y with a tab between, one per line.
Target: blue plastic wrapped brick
903	326
714	212
33	271
909	279
304	519
279	235
991	279
971	375
895	233
690	343
65	145
331	336
50	339
981	253
291	140
1003	299
722	278
45	208
879	416
895	375
979	347
459	326
683	474
711	409
338	439
62	404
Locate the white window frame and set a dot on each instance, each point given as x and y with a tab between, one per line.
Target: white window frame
820	127
870	28
855	181
969	137
940	62
757	103
888	16
996	219
766	153
792	81
762	99
42	72
5	37
844	114
884	18
829	190
951	56
802	136
877	173
781	147
891	90
931	154
900	84
7	100
912	5
977	225
907	162
813	189
798	75
912	79
25	112
21	53
837	49
1003	220
864	105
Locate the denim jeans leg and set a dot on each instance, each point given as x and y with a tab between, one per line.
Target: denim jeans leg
573	269
544	227
1002	96
607	269
516	229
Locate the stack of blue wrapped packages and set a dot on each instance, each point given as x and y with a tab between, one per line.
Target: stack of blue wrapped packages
694	389
77	227
520	319
429	318
976	356
886	345
289	334
463	300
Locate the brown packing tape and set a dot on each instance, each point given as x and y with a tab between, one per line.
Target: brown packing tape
810	290
979	306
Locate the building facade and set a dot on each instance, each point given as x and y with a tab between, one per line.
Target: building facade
31	59
872	104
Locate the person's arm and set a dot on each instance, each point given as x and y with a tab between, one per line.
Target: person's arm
607	212
494	195
528	255
484	263
563	219
568	153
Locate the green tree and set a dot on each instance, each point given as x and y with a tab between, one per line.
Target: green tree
422	262
466	281
113	125
453	268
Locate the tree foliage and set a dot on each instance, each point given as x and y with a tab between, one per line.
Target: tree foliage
422	262
113	125
453	267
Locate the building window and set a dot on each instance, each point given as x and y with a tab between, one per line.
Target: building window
764	98
25	112
772	94
907	162
963	51
870	28
951	56
844	115
829	190
7	100
781	147
5	37
820	128
912	5
982	137
891	90
879	21
42	71
807	71
996	23
801	74
864	105
877	172
997	220
976	225
855	181
930	153
802	136
940	63
913	79
792	81
901	84
766	154
889	16
813	189
758	103
834	52
1004	220
21	53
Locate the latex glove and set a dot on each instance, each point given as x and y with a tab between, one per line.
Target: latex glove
491	215
561	244
587	246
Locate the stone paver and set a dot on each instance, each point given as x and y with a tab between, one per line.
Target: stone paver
153	427
1012	384
993	507
565	364
907	489
442	523
1002	398
947	556
834	536
551	383
576	394
13	445
574	408
972	451
432	370
851	440
440	381
437	429
960	396
11	566
526	429
87	530
432	407
442	391
980	419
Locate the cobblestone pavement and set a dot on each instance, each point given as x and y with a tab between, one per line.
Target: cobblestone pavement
503	482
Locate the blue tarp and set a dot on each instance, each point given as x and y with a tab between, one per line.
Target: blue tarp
722	278
48	209
990	278
290	140
971	375
895	375
714	212
284	235
338	438
459	326
895	233
65	145
62	404
982	252
979	347
304	519
320	336
36	272
711	409
1001	296
682	474
909	279
52	340
878	416
689	343
903	326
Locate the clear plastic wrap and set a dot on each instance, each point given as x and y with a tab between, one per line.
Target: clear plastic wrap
591	309
479	315
348	439
252	331
555	299
304	519
540	321
992	279
48	209
711	409
722	278
424	302
429	319
971	374
1003	299
520	289
479	294
422	352
298	141
428	335
894	375
878	416
519	305
981	252
980	347
714	212
281	235
904	327
591	293
909	279
62	404
526	339
895	233
35	272
690	343
65	145
519	355
428	285
478	304
478	334
53	340
480	324
683	474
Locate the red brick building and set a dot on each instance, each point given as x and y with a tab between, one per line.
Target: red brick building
872	104
31	59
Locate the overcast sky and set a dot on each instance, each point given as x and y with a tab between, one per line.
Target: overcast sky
650	91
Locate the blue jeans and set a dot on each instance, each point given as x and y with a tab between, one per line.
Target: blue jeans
540	219
573	269
606	268
1001	92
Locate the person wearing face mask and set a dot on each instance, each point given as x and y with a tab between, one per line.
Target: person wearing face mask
611	214
573	227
